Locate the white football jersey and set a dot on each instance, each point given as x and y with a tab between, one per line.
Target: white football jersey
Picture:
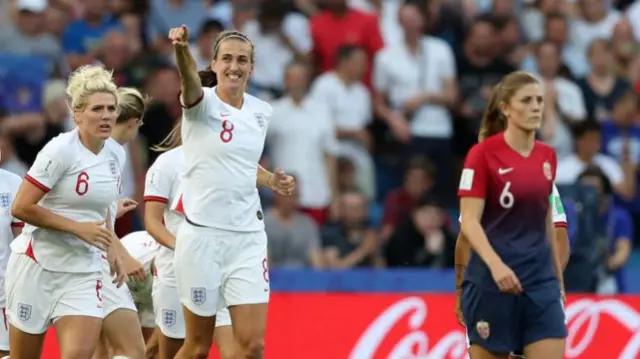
222	146
79	185
162	185
142	247
557	209
9	184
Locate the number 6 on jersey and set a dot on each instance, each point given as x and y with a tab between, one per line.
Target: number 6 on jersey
506	198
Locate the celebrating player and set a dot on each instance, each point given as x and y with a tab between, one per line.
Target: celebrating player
10	227
161	190
510	295
121	334
221	248
55	271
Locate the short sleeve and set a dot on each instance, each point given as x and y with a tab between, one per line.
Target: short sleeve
447	62
474	179
571	102
158	181
297	28
198	110
329	140
557	208
15	185
623	227
51	164
381	77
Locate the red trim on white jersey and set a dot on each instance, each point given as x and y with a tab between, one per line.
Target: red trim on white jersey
35	182
155	199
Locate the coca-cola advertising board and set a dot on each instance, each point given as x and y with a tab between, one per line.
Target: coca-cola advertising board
398	326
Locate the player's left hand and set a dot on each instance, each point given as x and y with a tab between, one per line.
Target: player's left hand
134	268
116	267
282	183
125	205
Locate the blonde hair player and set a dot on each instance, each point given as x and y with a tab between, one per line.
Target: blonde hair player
10	228
122	336
54	273
221	248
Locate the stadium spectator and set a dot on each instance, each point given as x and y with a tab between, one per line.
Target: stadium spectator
350	241
83	38
626	51
203	47
294	238
9	160
166	14
595	20
564	101
23	34
615	233
301	138
338	25
418	182
279	37
601	87
342	94
414	86
115	53
587	147
422	239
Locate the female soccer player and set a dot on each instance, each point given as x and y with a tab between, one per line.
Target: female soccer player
161	191
54	271
510	295
463	251
121	334
221	248
10	228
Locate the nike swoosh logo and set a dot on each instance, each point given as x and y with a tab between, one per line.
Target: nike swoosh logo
503	171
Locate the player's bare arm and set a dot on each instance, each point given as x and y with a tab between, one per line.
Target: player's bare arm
555	252
153	216
471	211
279	181
461	260
190	87
25	208
130	265
562	237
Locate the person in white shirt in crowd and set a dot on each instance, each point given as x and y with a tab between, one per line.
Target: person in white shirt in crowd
279	37
302	139
121	329
587	152
221	248
342	93
161	195
564	101
597	19
10	228
414	84
54	273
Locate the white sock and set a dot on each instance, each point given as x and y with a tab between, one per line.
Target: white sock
114	357
7	357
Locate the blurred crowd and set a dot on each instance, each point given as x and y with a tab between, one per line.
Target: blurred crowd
375	104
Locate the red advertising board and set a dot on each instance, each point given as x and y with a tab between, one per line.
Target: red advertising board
390	326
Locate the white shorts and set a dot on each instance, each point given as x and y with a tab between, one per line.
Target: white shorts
217	268
37	297
114	298
146	315
169	314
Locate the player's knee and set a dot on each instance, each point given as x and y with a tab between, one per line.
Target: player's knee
227	353
130	351
77	352
251	349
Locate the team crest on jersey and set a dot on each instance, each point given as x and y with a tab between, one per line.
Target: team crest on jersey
113	167
169	317
198	295
546	169
24	311
482	328
5	200
260	119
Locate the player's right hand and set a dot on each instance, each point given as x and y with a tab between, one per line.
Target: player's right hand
134	268
95	234
505	278
179	36
116	268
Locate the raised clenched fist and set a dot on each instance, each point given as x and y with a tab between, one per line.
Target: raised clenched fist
179	36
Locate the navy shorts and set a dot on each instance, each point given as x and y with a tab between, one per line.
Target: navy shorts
503	323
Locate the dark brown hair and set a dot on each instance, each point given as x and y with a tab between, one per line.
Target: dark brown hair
208	77
173	139
493	120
